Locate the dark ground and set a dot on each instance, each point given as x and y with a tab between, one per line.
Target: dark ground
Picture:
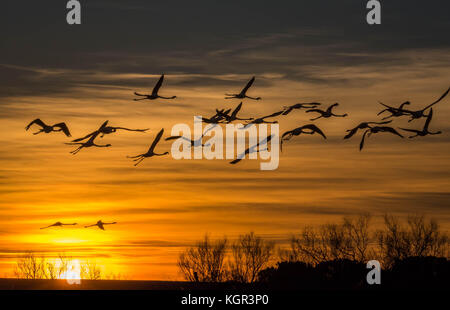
107	293
23	284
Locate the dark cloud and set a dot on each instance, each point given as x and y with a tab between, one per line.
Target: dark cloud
208	37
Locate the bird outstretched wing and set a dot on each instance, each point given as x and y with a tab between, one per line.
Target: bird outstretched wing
315	110
442	97
64	128
391	130
85	137
332	106
273	114
286	133
173	138
249	84
128	129
158	85
361	144
410	130
428	121
155	142
351	133
37	121
288	110
103	125
236	111
314	128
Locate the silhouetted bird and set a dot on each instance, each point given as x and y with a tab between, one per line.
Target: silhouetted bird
421	113
424	131
194	143
395	112
243	93
216	118
326	114
47	128
90	142
154	95
233	116
377	129
139	158
100	225
262	120
363	125
252	149
310	130
105	130
308	105
58	224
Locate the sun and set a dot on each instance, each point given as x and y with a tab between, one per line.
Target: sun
73	273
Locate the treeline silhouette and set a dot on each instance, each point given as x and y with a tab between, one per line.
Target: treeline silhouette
31	266
412	253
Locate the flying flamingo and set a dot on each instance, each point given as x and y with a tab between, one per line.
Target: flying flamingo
326	114
233	116
100	224
310	130
308	105
90	142
377	129
363	125
154	95
49	128
424	131
262	120
395	112
243	93
105	130
252	149
58	224
194	143
421	113
150	153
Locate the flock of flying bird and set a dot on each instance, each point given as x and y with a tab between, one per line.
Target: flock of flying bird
227	116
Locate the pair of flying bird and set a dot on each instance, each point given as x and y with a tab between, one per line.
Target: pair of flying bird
401	111
104	129
90	138
100	224
154	94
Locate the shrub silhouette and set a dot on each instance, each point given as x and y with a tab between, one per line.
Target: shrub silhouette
250	254
420	237
419	272
204	262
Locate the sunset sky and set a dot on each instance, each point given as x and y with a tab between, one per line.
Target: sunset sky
299	51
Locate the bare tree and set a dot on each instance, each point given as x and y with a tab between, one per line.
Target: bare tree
250	255
420	237
30	267
357	231
348	240
90	271
204	262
